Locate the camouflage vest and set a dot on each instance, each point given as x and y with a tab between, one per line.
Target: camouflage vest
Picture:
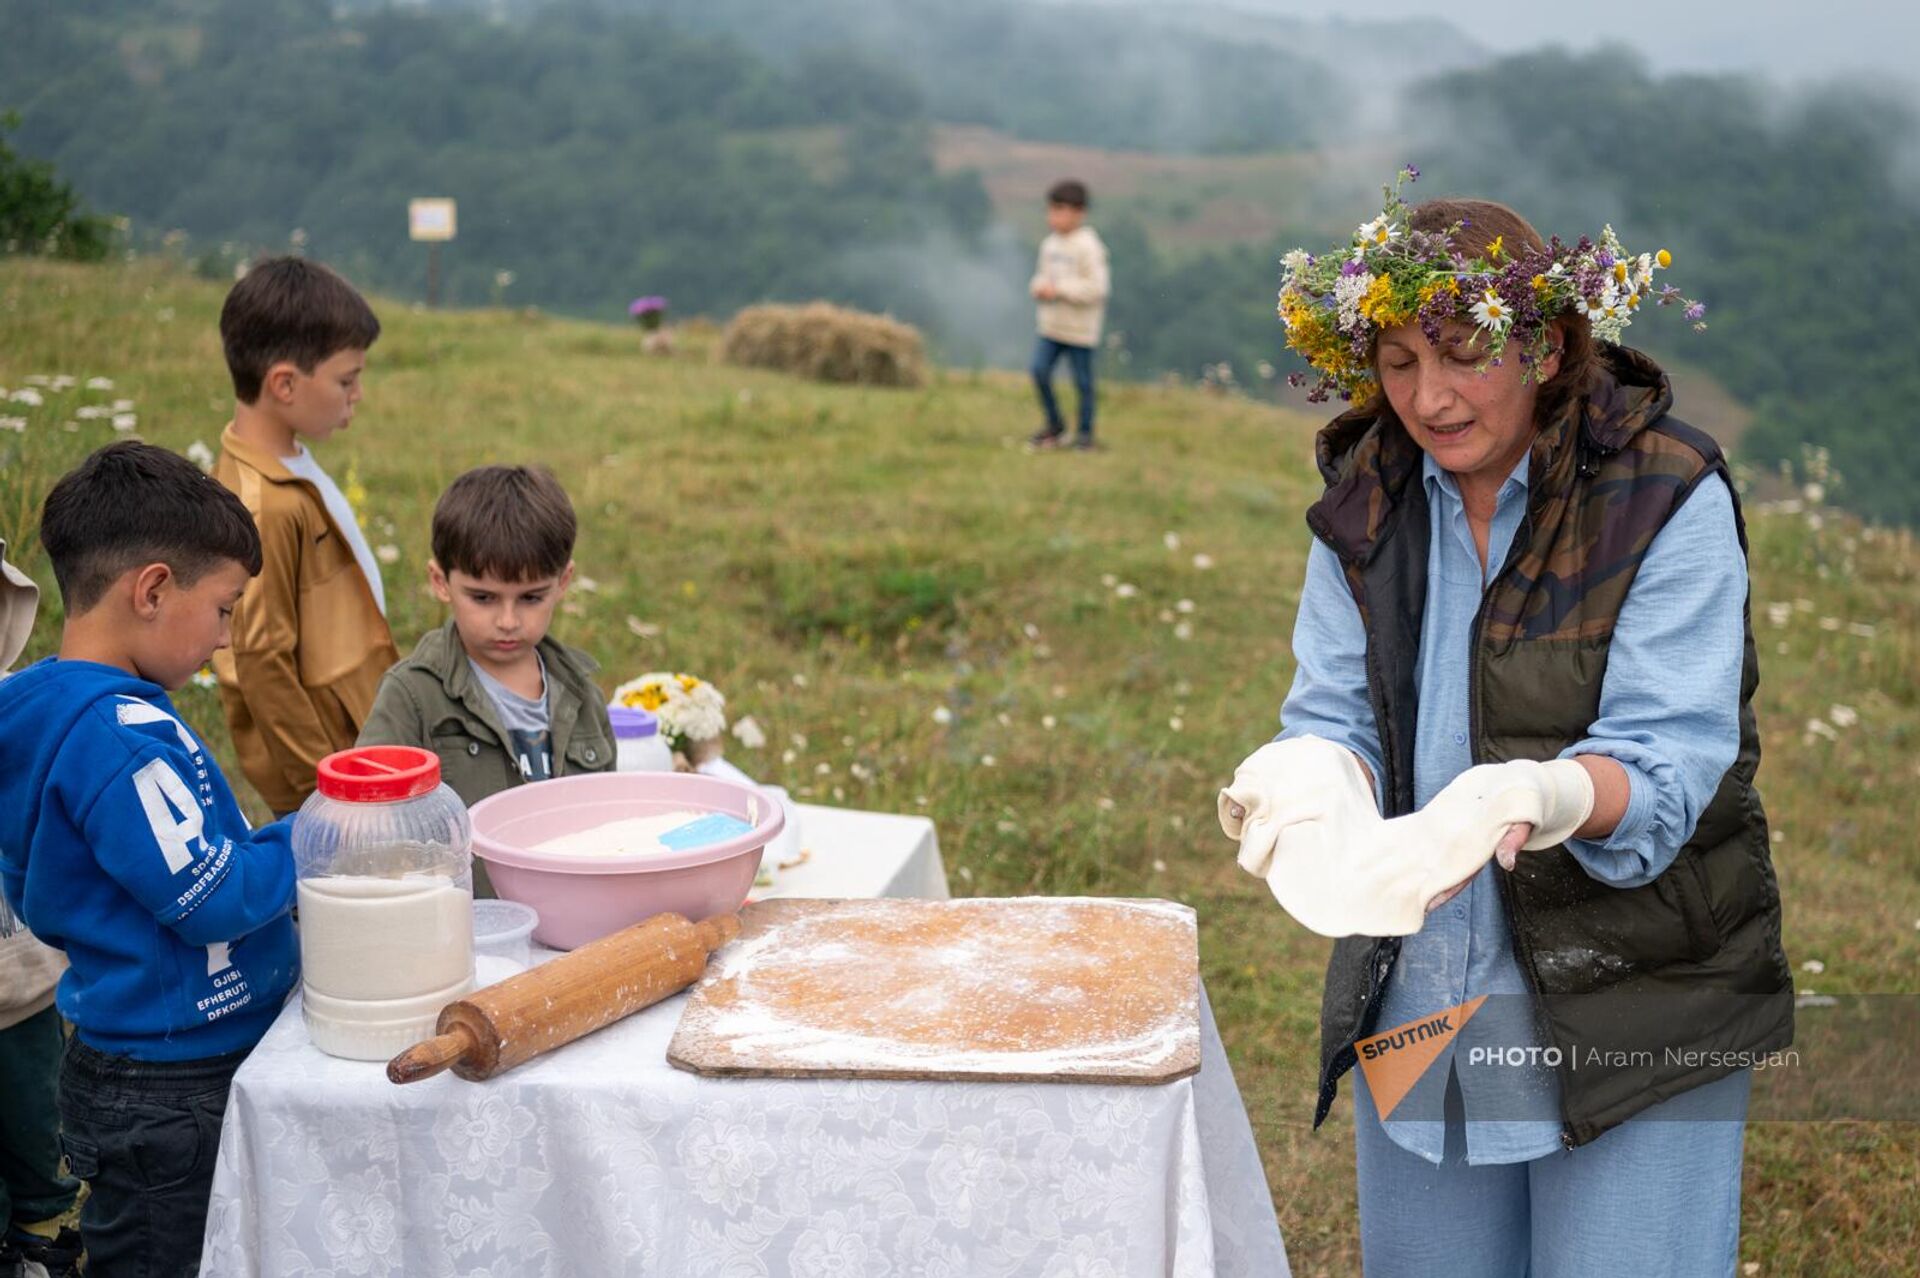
1687	963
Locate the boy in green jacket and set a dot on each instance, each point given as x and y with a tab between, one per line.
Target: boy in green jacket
491	692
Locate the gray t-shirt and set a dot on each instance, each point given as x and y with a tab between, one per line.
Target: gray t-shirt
528	721
303	464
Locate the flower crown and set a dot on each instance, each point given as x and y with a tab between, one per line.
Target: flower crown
1335	307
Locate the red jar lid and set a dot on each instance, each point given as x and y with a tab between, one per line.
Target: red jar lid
379	774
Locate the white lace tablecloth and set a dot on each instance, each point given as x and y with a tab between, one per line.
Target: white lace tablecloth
602	1160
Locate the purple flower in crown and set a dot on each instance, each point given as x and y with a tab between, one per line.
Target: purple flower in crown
649	312
1413	172
1695	311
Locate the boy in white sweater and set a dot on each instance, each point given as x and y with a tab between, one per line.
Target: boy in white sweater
1070	283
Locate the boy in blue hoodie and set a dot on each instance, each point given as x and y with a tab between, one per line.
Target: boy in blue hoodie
121	844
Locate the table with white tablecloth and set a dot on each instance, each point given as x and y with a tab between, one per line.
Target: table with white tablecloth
845	852
602	1160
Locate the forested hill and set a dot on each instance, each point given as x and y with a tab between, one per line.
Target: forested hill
593	158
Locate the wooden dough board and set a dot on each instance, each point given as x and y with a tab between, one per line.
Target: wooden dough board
1023	989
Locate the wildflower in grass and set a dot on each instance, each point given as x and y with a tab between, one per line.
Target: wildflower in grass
1159	866
28	396
988	761
1813	965
648	312
203	678
1843	716
122	406
1108	580
1183	631
749	733
17	425
1048	722
99	383
125	422
62	381
1778	614
1185	605
1104	803
91	412
942	716
1860	630
1821	728
1203	562
387	553
644	629
1171	540
823	769
202	456
586	584
788	756
799	680
37	379
1176	724
1126	590
1829	623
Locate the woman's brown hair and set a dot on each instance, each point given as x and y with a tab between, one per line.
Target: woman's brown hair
1480	223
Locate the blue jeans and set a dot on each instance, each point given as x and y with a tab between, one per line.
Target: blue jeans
1656	1197
1047	353
144	1136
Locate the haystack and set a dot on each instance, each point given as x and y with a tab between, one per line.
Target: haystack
827	343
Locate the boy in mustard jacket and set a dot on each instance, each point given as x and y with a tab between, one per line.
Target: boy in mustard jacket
310	637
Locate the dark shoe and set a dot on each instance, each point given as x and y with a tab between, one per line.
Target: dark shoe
1042	440
1085	444
38	1257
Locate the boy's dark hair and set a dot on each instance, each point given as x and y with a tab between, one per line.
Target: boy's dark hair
1070	192
288	308
510	522
131	504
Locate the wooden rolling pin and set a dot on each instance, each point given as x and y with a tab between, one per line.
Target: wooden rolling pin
494	1029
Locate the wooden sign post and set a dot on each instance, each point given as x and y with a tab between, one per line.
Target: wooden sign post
433	221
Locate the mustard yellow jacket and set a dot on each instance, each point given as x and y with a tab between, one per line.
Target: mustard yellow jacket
309	642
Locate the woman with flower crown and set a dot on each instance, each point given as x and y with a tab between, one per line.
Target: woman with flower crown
1523	666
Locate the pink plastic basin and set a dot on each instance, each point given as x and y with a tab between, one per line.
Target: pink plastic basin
582	898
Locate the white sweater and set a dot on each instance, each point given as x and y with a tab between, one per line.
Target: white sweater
1076	265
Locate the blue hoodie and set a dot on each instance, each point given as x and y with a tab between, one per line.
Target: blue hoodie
121	844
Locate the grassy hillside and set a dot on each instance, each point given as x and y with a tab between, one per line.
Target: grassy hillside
1109	634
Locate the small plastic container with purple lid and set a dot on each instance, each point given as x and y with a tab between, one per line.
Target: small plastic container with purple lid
638	741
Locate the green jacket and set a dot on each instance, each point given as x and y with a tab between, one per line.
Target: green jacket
433	700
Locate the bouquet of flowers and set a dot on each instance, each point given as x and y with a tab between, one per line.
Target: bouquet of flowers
648	312
692	713
1335	305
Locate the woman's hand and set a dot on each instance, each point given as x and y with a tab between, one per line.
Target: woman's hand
1555	798
1292	782
1506	852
